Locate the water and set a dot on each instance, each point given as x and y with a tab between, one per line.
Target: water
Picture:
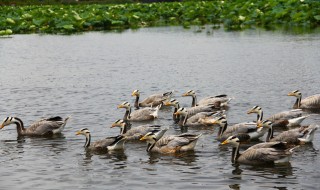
86	76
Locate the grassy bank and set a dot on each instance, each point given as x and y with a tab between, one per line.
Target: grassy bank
234	15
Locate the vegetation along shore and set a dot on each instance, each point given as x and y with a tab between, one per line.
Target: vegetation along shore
232	15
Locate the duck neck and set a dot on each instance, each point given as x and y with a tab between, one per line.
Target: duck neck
259	116
20	126
176	118
185	120
123	129
194	101
88	140
181	120
151	145
235	153
297	104
222	129
126	116
269	135
136	103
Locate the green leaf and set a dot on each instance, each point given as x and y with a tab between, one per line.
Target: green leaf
68	27
317	17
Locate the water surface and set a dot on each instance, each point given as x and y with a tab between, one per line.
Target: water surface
86	76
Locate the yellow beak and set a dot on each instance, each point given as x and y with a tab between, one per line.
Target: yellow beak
2	126
78	133
290	94
259	125
142	138
225	142
113	125
185	94
120	106
167	104
250	111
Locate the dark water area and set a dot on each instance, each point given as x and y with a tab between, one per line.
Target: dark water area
86	76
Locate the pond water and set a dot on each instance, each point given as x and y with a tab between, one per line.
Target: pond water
86	76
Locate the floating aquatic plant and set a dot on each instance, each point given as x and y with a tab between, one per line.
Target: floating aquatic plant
233	15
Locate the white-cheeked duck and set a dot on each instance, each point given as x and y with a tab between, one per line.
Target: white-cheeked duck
311	102
151	101
219	100
282	119
42	127
170	144
143	114
135	133
107	144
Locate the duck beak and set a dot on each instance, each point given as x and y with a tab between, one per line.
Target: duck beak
225	142
120	106
78	133
290	94
250	111
2	126
259	125
113	125
166	103
185	94
142	138
215	122
176	113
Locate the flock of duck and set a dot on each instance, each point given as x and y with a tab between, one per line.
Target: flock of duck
206	112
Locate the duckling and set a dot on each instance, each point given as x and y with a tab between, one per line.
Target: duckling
42	127
311	102
219	100
107	144
140	114
258	155
136	133
152	100
170	144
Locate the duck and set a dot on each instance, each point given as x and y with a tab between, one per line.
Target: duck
253	130
282	119
138	132
170	144
191	110
151	101
298	136
143	114
311	102
245	138
219	100
107	144
197	120
271	154
43	127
